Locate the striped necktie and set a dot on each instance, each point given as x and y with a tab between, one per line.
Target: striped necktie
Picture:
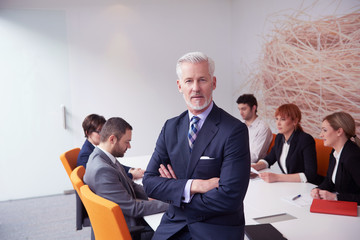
193	129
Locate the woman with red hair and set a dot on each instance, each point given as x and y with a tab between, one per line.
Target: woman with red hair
294	150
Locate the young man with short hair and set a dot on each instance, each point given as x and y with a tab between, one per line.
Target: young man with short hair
260	135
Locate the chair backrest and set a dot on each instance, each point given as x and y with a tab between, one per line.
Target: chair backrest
322	155
107	219
69	159
272	143
76	178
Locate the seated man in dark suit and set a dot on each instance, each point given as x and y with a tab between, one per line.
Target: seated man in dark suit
108	179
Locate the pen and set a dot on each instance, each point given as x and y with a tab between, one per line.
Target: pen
296	197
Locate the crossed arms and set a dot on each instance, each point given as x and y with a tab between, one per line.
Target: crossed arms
197	185
218	186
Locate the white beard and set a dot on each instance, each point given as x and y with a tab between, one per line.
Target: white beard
198	108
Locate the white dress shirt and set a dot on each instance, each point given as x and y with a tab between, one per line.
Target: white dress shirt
186	194
282	160
284	153
260	137
337	158
112	158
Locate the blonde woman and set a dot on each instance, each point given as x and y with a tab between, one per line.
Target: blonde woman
342	181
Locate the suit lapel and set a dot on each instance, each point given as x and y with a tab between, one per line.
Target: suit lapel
292	148
89	145
124	178
181	164
205	136
105	157
279	151
339	174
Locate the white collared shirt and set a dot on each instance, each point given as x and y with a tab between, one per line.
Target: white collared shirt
337	158
186	194
202	116
282	160
112	158
284	153
260	137
283	157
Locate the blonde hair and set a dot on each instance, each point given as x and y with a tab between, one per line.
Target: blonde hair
346	122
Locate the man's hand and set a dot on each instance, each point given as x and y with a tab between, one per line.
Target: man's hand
137	173
167	172
203	186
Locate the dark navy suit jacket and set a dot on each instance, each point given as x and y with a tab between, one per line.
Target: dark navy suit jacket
221	150
85	152
347	180
301	156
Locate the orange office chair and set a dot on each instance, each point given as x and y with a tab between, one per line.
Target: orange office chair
106	217
76	178
322	155
69	159
272	143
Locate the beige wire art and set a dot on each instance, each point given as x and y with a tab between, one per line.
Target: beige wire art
314	64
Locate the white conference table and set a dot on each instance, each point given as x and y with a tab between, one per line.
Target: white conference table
136	161
266	199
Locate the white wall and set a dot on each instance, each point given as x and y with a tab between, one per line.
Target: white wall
132	58
34	83
115	58
118	59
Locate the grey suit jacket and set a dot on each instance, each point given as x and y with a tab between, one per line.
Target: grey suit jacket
110	181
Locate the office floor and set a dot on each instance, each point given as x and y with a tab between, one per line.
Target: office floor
42	218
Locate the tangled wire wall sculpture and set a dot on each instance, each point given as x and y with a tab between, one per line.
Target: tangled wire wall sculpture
314	64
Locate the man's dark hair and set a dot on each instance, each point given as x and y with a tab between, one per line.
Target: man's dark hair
92	123
114	126
248	99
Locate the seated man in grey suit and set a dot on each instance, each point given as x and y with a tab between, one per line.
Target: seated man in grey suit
108	179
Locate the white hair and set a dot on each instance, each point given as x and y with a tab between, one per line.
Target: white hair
195	57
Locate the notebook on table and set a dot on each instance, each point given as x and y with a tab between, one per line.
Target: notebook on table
334	207
264	231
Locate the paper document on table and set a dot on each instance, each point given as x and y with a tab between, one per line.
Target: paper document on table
254	174
302	201
254	170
